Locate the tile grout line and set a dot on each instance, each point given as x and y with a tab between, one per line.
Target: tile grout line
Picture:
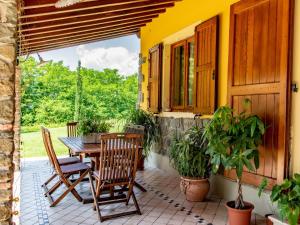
42	214
158	193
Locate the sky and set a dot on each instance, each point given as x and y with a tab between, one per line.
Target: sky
119	53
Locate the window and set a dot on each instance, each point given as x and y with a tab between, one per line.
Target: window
182	75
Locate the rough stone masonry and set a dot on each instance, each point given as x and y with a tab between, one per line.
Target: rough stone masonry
8	43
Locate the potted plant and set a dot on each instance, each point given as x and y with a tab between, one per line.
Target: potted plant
151	131
233	141
287	197
188	157
90	129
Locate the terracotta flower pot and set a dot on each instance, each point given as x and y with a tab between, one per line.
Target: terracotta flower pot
239	216
195	189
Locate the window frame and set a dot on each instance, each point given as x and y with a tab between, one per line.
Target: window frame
185	107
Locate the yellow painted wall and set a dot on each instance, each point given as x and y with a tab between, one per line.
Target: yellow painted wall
295	128
176	19
176	24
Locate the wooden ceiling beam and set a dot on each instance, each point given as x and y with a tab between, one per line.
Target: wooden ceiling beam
103	16
91	34
70	44
145	9
79	39
36	3
42	4
82	31
95	26
96	7
93	22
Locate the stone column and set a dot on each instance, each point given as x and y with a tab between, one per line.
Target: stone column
17	125
8	42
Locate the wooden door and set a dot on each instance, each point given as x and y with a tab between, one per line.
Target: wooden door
206	42
155	78
259	70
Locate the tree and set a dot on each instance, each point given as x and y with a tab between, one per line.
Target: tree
78	93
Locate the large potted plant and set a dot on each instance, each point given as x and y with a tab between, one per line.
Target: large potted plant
188	157
233	141
287	197
91	129
151	131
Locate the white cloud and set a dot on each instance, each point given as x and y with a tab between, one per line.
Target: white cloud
113	58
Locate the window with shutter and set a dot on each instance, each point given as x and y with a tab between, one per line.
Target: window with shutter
154	78
182	75
205	90
259	71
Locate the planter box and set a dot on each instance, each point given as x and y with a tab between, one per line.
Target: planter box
91	138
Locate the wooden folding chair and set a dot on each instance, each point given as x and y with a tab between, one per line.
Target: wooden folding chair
72	132
64	172
61	161
117	168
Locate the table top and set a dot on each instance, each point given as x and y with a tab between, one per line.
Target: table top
76	145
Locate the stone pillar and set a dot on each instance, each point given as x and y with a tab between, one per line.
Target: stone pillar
8	42
17	125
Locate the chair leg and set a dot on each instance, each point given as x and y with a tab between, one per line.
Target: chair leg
96	203
54	187
71	188
136	203
49	180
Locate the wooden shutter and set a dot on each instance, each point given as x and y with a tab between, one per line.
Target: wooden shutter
259	71
155	78
206	38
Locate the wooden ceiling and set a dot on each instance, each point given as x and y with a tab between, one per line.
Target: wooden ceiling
43	27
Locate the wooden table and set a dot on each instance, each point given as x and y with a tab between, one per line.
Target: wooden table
77	147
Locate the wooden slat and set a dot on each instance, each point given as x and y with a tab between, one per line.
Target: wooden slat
89	23
97	7
93	14
109	26
90	34
41	3
58	42
70	44
81	31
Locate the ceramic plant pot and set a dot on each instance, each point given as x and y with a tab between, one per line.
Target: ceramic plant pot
239	216
195	189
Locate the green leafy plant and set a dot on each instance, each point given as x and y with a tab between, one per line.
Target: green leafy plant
88	126
187	154
287	196
233	141
151	132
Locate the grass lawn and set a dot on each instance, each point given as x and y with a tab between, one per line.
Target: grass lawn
33	145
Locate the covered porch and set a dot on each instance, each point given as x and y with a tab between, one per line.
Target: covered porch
262	71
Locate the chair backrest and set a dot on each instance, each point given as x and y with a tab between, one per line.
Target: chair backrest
72	129
119	157
43	129
49	144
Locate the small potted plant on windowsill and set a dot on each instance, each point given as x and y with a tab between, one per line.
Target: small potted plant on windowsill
287	197
188	157
151	131
91	129
233	141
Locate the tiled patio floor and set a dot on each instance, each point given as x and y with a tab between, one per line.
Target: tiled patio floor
163	203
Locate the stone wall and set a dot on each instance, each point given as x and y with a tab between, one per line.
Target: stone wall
8	28
169	126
